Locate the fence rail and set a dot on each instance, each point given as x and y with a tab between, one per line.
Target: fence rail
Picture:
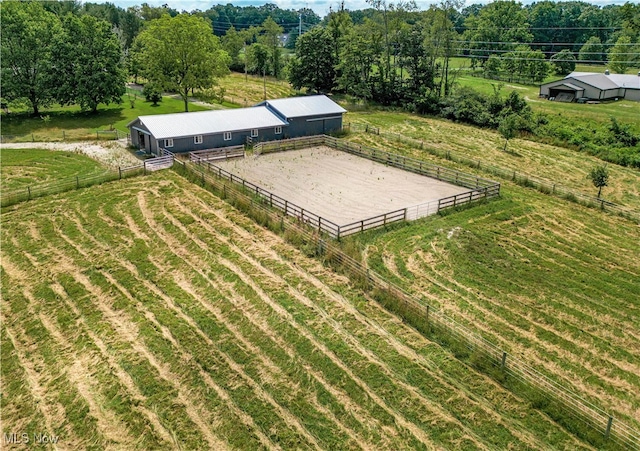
437	322
11	197
481	188
543	185
69	135
222	153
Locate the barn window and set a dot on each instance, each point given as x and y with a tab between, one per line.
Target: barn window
168	142
227	136
197	139
278	130
254	133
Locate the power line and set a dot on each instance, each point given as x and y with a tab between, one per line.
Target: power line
472	49
542	28
538	43
579	61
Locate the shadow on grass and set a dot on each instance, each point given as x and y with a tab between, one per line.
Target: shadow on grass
19	124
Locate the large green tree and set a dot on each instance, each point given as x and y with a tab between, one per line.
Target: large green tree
258	62
361	54
623	55
498	27
563	62
270	37
592	51
88	67
27	39
313	66
181	54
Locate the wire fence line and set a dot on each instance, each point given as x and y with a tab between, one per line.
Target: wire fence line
521	178
510	371
14	196
112	134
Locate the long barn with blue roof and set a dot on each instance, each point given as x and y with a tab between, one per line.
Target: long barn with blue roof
269	120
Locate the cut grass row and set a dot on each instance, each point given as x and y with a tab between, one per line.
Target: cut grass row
25	167
215	332
557	165
548	281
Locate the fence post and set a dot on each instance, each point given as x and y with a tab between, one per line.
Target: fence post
28	193
144	167
119	173
608	431
427	315
504	360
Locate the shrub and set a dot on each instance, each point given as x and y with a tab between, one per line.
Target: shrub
152	93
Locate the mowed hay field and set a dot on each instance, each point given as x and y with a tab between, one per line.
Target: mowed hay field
553	283
24	167
149	314
559	165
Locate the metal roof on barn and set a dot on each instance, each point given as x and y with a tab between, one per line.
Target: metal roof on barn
305	106
178	125
607	81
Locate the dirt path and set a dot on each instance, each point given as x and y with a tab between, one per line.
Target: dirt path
110	153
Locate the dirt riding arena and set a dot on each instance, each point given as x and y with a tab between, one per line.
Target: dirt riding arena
337	186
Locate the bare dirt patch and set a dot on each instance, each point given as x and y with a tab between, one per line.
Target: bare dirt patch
337	186
112	153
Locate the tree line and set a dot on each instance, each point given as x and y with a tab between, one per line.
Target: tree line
67	52
66	59
393	52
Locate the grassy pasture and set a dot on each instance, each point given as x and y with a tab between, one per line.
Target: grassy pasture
626	111
550	282
148	314
23	167
564	166
249	90
20	126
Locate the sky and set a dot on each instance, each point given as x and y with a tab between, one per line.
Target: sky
321	7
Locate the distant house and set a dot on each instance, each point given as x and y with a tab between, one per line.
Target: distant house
592	86
269	120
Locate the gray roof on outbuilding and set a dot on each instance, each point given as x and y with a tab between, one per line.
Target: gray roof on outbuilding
600	81
178	125
607	81
305	106
626	81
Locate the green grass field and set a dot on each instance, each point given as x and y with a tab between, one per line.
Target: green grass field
23	167
148	313
249	90
69	123
624	110
550	282
556	164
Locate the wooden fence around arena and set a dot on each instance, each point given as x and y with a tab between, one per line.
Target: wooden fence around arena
480	188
